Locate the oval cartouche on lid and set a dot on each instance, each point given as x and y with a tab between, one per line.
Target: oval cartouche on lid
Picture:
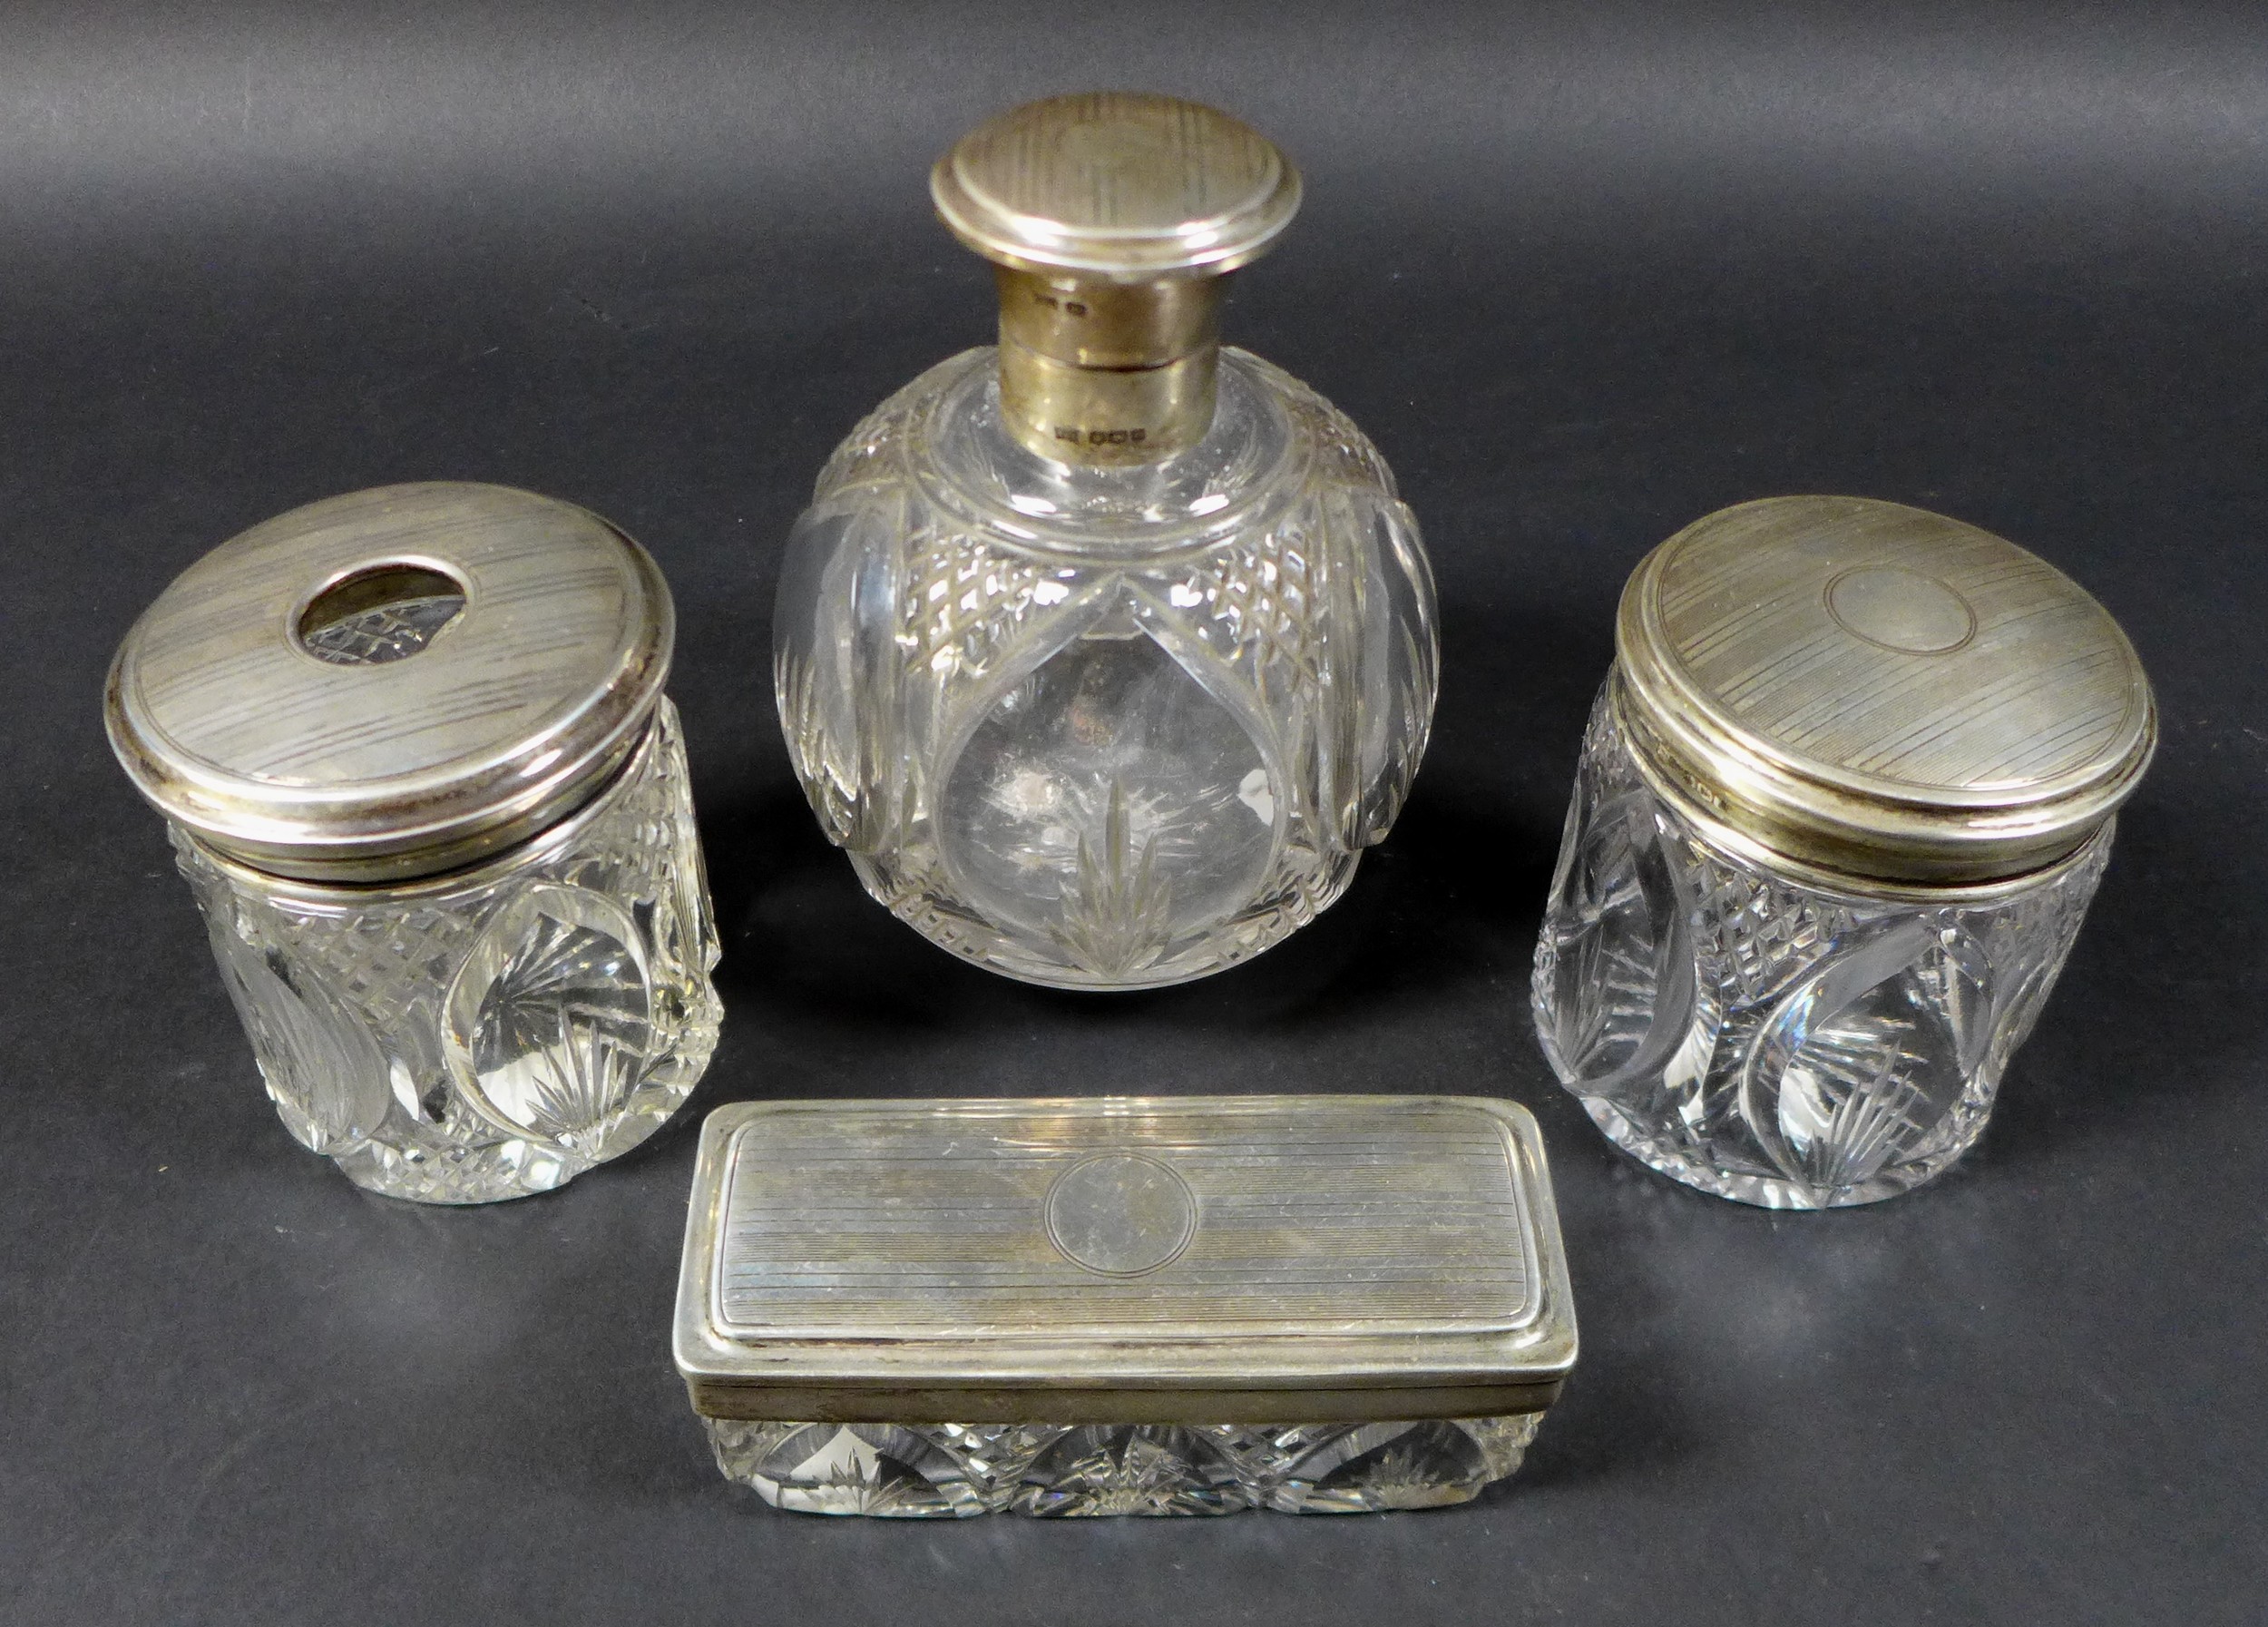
392	683
1879	691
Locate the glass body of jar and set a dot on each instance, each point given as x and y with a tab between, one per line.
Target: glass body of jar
495	1031
1767	1032
1105	727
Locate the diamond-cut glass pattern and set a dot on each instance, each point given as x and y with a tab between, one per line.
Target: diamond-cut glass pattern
494	1034
968	605
1765	1039
1255	601
1105	728
385	633
949	1471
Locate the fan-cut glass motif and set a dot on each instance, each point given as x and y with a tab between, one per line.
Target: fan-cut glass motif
549	1021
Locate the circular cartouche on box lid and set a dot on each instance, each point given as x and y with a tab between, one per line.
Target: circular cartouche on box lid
393	684
1879	691
1116	184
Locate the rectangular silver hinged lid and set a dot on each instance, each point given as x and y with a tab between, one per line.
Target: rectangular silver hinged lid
1126	1259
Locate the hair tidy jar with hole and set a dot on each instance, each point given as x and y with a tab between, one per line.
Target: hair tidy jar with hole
420	773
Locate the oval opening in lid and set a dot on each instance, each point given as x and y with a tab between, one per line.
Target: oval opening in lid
380	613
393	682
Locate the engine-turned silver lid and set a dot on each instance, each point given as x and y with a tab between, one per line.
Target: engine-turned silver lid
1123	1260
1879	691
1116	184
395	682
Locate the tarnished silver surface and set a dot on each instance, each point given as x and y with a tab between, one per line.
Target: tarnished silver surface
1112	218
1194	1259
395	682
1879	691
1118	184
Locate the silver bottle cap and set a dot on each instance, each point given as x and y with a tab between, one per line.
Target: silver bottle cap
1115	185
1144	1260
395	682
1880	691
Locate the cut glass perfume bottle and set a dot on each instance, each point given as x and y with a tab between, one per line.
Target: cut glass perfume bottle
1152	1305
1841	809
423	782
1105	652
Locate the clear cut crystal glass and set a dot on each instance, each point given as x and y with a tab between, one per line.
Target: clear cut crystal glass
949	1471
1761	1036
1105	727
495	1032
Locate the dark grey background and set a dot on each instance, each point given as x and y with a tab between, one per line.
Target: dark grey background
1585	271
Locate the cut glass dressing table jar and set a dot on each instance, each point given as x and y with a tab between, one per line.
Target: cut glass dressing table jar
420	773
1144	1305
1841	809
1105	652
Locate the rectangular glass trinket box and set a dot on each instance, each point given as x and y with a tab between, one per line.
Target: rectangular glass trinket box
1130	1305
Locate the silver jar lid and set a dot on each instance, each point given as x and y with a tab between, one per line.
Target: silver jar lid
1123	1261
1880	691
1115	185
395	682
